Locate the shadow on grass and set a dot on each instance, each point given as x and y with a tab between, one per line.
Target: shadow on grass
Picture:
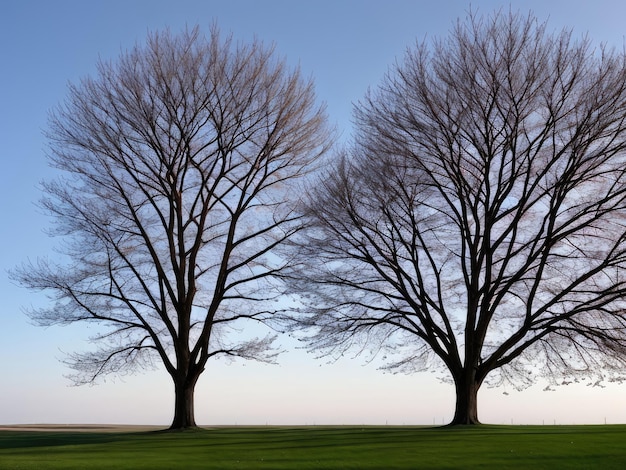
256	437
322	447
23	439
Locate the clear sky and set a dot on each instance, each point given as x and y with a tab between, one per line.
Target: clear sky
346	46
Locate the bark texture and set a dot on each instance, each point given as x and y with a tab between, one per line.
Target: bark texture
184	412
466	406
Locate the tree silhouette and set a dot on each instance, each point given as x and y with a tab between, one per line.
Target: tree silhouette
178	162
477	221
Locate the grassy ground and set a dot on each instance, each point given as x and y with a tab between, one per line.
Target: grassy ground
485	447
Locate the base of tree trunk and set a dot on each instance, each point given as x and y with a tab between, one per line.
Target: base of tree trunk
184	416
173	428
466	409
182	425
464	422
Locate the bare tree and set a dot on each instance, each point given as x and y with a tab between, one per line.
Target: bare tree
179	161
477	222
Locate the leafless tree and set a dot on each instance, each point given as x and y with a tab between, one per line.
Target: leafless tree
179	164
477	221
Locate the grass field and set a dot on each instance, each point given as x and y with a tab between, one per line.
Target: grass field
485	447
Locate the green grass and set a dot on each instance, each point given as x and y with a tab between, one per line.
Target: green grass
485	447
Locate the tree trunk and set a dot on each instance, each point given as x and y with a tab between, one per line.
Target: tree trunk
184	416
466	410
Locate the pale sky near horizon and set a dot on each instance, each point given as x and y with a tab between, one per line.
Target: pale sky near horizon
346	46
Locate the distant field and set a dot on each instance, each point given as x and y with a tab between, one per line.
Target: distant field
320	447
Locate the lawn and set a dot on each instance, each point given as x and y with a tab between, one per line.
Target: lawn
485	447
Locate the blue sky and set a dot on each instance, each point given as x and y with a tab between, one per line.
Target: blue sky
346	46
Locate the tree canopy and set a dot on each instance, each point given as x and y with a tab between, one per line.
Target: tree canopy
477	220
178	164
